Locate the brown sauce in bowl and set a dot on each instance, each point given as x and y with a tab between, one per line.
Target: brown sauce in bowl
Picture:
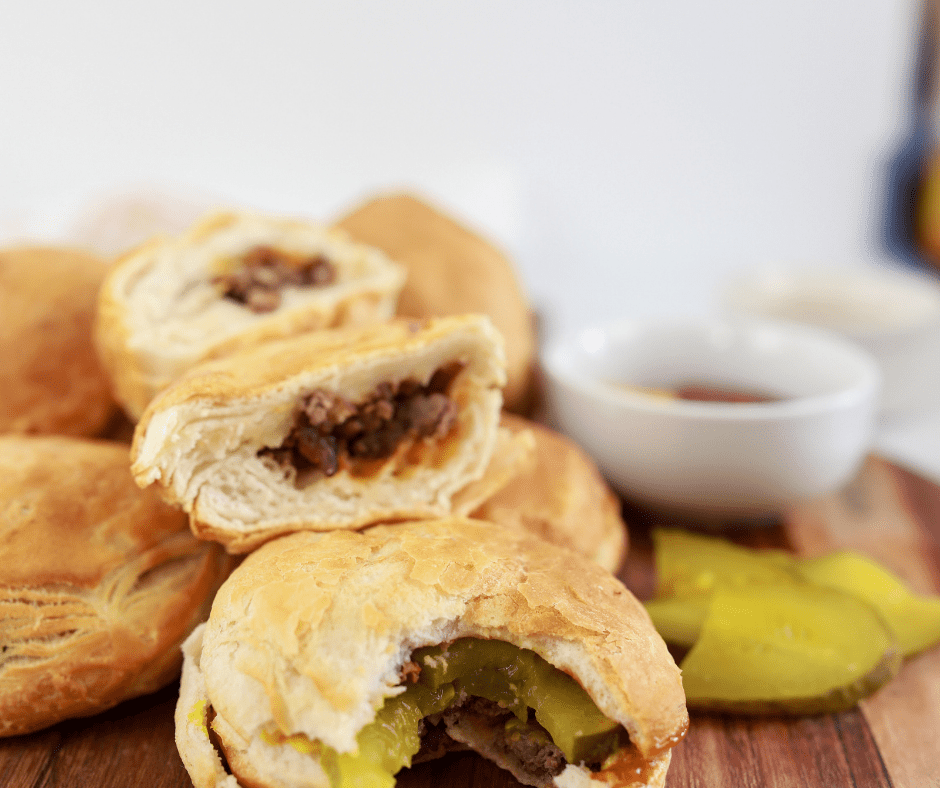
703	392
697	392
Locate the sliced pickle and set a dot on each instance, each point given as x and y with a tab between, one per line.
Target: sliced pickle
517	679
495	685
913	620
441	665
389	742
491	668
793	648
679	620
689	565
566	711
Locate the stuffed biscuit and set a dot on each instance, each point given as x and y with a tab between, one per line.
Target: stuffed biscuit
333	429
234	279
334	660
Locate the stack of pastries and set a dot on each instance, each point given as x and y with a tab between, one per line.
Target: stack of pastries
396	565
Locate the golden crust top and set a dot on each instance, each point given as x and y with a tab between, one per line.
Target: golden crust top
311	631
50	379
70	511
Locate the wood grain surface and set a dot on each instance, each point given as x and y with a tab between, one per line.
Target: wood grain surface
892	739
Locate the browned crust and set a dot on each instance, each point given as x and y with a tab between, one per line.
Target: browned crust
452	270
72	513
51	381
99	582
562	497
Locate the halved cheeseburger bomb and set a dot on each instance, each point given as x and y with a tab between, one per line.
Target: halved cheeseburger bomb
100	582
234	279
334	660
338	429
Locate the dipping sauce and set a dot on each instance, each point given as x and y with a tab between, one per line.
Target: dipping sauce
702	392
698	392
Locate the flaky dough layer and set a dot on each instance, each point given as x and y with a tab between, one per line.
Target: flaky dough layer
310	635
199	441
99	582
159	312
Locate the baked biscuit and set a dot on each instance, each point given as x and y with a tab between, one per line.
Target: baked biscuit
452	271
332	429
99	582
232	280
561	496
51	381
322	644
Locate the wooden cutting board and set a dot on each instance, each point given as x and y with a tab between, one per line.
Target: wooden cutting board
892	739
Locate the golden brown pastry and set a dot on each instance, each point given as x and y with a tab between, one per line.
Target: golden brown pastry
562	497
100	582
51	381
234	279
451	271
316	636
332	429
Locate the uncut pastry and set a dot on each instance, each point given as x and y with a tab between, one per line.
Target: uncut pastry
100	582
334	660
51	381
233	279
561	496
452	270
337	429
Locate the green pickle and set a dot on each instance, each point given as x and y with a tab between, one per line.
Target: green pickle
679	620
689	565
389	742
913	620
521	679
517	679
790	648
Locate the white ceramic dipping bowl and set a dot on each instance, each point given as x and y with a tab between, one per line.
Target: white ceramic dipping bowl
893	315
715	458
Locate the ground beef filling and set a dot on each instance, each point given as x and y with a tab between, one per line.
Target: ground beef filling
528	744
262	271
329	430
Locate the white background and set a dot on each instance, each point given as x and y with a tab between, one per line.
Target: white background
629	154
